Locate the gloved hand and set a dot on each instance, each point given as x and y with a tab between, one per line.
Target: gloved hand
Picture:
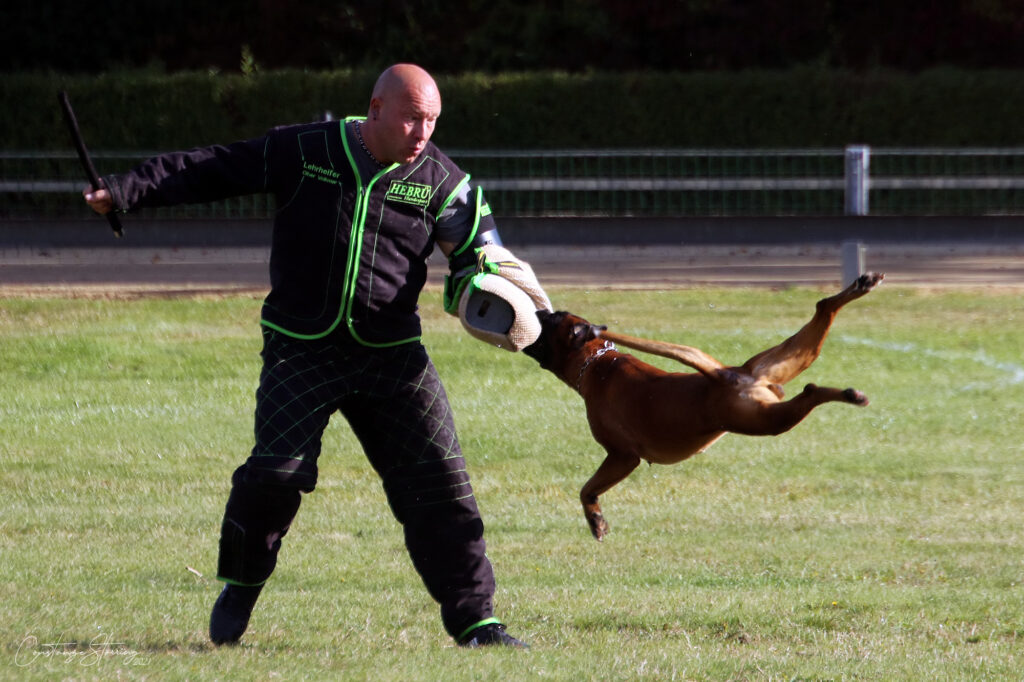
498	260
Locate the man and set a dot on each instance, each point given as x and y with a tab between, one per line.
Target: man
360	205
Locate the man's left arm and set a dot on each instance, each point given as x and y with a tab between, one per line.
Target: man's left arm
468	236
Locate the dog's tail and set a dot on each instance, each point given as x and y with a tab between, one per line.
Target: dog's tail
688	355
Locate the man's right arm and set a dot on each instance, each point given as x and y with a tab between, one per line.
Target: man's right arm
196	176
99	200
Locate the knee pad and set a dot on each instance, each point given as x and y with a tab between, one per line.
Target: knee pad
281	472
256	518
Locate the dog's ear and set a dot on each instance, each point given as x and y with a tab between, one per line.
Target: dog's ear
581	333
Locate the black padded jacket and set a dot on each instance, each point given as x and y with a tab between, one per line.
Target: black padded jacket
344	253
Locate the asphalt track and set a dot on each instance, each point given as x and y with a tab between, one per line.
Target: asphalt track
138	271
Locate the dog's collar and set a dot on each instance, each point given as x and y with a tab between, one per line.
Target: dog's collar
608	345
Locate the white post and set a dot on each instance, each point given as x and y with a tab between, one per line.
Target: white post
853	261
858	160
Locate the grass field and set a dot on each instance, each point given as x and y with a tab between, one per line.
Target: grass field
882	543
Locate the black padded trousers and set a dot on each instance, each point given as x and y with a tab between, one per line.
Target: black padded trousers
394	401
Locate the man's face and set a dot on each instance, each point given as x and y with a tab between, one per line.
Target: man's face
406	122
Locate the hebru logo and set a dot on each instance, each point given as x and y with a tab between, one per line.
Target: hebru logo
409	192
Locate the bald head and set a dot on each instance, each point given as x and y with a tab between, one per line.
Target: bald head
404	107
404	78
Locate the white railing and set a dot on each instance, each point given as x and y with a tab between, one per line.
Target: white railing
857	180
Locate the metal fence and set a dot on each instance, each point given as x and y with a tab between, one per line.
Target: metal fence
644	182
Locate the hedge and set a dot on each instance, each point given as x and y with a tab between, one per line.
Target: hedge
803	108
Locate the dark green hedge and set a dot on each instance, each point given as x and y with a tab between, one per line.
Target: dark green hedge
755	109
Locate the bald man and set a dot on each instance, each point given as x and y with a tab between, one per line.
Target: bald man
361	203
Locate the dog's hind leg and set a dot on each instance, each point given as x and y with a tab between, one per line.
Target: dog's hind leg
785	361
774	418
613	469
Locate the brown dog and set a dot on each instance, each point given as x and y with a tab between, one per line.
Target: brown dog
638	412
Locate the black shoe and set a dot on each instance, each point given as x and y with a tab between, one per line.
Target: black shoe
231	613
491	635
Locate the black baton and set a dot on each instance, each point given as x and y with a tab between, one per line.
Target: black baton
83	156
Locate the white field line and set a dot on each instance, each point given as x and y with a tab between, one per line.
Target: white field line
1015	372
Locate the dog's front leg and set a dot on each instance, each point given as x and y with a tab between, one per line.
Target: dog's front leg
613	469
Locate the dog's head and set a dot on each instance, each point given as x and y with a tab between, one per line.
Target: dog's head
562	334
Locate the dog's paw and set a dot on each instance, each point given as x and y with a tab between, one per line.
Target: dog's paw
598	526
855	397
869	280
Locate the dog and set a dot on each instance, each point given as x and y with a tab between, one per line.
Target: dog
639	412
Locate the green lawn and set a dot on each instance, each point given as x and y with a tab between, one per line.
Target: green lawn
882	543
